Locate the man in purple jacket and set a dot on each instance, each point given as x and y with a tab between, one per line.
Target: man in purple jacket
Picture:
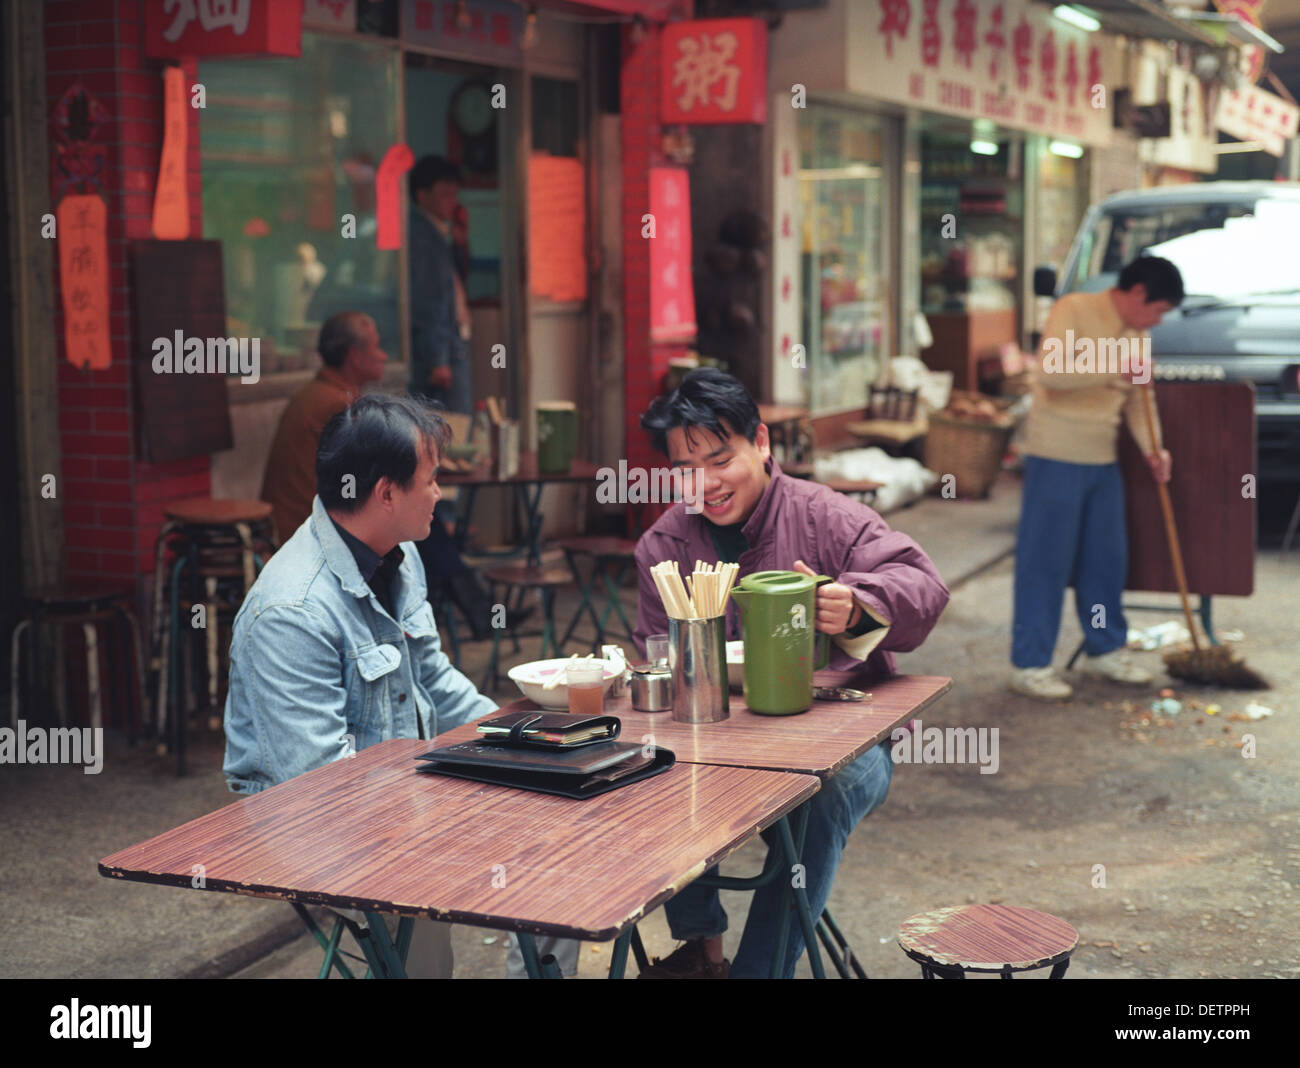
886	597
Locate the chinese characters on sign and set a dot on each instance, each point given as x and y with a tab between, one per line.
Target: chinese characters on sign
491	29
1008	61
176	28
330	14
212	15
83	276
672	286
171	208
714	71
1251	114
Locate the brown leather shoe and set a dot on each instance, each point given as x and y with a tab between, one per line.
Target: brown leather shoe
687	961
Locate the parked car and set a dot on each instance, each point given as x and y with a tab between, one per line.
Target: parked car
1237	245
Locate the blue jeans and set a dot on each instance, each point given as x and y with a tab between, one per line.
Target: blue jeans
1071	534
844	799
458	398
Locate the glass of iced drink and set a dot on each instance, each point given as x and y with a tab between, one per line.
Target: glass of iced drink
586	682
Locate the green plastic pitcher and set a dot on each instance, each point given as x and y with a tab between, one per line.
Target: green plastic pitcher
782	647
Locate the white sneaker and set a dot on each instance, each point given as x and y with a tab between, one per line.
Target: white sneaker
1040	682
1117	667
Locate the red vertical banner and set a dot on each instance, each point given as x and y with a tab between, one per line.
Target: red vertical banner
81	222
171	206
672	286
388	196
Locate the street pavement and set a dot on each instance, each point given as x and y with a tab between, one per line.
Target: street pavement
1172	852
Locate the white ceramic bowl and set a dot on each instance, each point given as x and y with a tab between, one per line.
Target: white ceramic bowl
736	665
532	678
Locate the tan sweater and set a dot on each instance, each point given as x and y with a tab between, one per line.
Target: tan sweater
1075	415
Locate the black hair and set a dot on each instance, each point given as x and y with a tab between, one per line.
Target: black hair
429	170
1160	277
375	438
337	335
705	397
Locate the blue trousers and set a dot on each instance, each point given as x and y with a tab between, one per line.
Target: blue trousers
459	398
1071	534
844	799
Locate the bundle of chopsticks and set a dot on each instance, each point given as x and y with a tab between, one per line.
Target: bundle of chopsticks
703	595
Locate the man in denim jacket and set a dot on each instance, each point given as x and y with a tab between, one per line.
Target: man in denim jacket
335	647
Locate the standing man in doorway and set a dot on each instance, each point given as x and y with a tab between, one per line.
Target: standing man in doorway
440	325
440	322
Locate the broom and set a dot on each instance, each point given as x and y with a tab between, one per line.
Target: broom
1213	664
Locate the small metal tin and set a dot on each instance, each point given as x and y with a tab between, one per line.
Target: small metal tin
652	688
839	693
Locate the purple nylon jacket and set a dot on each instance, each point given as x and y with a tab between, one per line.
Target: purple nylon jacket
832	534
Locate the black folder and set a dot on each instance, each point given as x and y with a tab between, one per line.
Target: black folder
578	771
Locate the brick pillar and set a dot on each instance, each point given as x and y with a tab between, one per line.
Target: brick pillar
112	502
644	363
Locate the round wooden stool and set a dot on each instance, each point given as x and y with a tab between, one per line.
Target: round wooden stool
947	943
208	553
545	577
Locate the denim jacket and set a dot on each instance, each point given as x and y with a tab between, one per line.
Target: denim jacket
318	668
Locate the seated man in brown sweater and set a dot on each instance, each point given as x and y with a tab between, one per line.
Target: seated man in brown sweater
349	349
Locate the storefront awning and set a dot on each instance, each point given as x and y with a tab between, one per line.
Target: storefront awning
1152	20
657	10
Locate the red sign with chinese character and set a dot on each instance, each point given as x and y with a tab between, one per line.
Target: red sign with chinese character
175	28
83	277
672	286
714	71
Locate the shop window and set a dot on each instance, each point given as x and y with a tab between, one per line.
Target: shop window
847	300
972	207
557	268
289	151
555	117
1060	199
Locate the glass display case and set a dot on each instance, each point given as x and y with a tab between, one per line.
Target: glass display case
846	294
972	204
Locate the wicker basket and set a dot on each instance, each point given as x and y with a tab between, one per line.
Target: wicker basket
972	452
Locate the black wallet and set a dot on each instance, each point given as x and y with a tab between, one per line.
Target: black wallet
579	771
550	730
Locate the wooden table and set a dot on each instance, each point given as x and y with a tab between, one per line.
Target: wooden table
821	741
830	735
528	483
371	833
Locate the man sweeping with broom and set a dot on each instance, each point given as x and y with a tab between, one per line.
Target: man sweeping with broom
1095	367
